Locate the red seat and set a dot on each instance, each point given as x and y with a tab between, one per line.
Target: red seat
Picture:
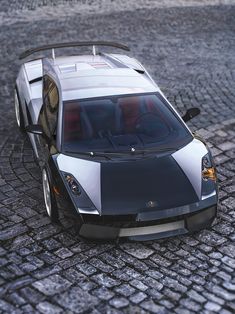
72	122
151	107
130	108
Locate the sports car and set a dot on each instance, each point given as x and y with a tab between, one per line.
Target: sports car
113	151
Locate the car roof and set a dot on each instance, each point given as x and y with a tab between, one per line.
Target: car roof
87	76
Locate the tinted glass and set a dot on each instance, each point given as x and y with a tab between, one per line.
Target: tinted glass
43	117
120	123
52	107
48	115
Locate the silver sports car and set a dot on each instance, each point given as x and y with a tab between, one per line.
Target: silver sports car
112	150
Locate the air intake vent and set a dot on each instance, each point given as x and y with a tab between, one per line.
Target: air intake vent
99	65
139	71
67	68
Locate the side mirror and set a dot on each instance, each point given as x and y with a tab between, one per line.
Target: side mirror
35	129
191	113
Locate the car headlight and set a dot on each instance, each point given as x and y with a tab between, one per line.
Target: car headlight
208	170
78	196
208	175
72	183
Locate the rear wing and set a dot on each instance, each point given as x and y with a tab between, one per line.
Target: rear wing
28	52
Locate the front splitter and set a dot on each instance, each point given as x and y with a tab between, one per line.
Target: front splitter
187	224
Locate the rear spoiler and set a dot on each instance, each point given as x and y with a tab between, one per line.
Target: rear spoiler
28	52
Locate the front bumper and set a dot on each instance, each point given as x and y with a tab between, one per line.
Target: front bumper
154	229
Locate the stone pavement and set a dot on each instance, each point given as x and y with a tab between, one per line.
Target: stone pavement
46	268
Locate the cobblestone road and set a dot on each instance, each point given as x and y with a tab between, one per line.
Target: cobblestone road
45	268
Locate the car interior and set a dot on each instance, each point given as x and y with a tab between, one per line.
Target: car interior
119	122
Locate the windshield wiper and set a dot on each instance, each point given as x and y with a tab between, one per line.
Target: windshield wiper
141	151
154	149
132	151
91	154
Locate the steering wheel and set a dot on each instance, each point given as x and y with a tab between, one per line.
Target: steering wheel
150	124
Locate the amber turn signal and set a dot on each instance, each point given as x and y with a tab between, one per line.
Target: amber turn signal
56	190
209	173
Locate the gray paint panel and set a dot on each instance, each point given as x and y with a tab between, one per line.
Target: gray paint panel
33	69
189	158
106	91
87	173
34	108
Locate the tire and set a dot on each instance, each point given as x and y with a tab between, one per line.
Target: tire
19	113
49	197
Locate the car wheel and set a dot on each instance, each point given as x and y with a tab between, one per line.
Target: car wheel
18	113
49	197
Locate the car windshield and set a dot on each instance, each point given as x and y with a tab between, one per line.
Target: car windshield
121	123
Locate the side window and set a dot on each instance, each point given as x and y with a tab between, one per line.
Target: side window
53	98
48	115
42	116
46	85
52	105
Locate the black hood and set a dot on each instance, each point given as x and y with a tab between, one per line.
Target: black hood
129	187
